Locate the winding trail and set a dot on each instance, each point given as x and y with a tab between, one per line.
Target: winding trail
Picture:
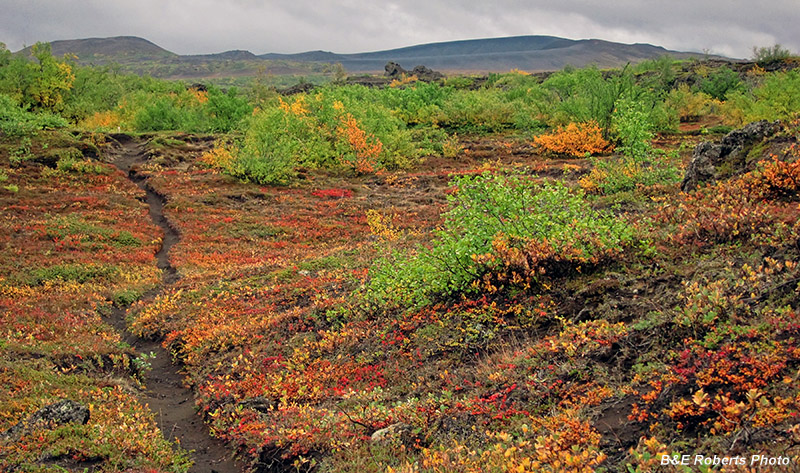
172	403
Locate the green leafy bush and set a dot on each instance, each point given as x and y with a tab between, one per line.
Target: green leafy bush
588	94
225	110
189	109
420	104
274	144
634	128
504	229
338	128
639	164
688	104
776	98
486	110
163	114
720	83
15	121
38	83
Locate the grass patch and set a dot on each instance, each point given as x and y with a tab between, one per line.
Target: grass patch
79	273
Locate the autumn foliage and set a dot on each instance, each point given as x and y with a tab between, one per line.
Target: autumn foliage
759	206
354	295
365	148
574	139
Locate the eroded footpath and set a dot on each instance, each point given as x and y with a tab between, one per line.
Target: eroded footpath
168	398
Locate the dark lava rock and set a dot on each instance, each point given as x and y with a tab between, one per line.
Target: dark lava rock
394	70
427	75
712	161
298	89
259	403
59	413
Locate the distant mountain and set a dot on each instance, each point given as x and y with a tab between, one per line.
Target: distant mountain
121	49
529	53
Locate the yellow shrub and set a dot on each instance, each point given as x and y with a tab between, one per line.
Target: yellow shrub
382	225
404	81
108	120
219	157
691	105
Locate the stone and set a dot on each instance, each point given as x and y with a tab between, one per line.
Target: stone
715	161
426	74
394	70
395	430
59	413
259	404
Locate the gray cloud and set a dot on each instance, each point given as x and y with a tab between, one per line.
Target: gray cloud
729	27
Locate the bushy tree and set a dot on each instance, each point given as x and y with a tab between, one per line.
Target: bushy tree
40	84
769	54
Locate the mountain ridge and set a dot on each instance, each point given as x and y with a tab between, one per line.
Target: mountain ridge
531	53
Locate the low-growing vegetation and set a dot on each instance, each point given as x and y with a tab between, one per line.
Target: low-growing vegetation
493	275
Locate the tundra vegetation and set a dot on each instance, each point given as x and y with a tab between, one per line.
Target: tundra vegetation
476	274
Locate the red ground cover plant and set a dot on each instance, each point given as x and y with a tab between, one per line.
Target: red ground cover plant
333	193
760	206
74	241
293	369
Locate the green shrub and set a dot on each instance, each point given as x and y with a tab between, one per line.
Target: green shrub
13	188
687	104
639	164
617	174
504	228
96	89
270	150
419	104
776	98
79	273
486	110
584	95
634	128
226	110
162	114
16	122
21	152
126	297
39	82
720	83
657	74
71	160
335	128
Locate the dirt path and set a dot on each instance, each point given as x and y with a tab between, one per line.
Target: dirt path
172	403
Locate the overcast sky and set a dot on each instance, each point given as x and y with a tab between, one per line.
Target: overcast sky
727	27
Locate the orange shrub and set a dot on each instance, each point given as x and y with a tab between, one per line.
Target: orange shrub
201	96
575	139
777	179
365	146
